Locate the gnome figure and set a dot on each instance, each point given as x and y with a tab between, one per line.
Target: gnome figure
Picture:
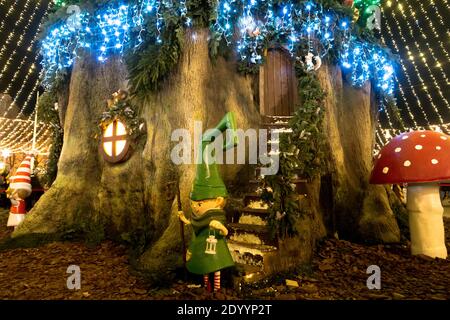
208	251
19	189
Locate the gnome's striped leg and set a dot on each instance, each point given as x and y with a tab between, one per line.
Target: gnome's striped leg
216	281
206	282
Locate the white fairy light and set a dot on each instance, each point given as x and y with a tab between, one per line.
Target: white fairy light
408	79
416	70
421	53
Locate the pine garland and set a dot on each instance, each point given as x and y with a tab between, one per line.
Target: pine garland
121	108
151	63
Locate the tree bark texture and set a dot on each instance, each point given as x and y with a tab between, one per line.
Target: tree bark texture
138	197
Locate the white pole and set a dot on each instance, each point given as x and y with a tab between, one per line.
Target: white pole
33	147
35	121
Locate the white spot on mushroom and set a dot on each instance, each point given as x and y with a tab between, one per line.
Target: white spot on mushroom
422	135
407	163
405	137
443	137
379	155
398	149
438	148
434	161
385	170
418	147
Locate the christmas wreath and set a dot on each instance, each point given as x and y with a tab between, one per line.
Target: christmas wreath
120	108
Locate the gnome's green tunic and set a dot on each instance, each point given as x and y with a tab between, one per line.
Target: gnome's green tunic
201	262
209	185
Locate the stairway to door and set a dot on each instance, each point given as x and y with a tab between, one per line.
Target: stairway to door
249	239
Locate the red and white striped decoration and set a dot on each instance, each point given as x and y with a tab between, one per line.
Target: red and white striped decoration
22	179
16	213
206	281
216	281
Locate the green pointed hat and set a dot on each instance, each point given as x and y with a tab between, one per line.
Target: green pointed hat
208	184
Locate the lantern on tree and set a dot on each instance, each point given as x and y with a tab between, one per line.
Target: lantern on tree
115	142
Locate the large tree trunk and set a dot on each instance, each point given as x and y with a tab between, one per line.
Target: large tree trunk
136	200
137	197
361	211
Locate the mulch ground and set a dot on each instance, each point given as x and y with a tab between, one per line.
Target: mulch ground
338	272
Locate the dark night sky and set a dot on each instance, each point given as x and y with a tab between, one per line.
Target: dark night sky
10	24
413	34
419	37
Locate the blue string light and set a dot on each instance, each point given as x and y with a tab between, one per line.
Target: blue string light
116	27
365	61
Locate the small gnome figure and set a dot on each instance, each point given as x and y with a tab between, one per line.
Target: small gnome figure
19	189
208	251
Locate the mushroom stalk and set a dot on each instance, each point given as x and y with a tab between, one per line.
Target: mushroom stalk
426	220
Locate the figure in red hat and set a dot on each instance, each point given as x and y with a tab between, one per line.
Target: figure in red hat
19	189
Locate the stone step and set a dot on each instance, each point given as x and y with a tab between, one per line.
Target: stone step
276	119
251	233
247	269
256	212
280	130
249	228
247	274
274	133
274	125
252	219
251	247
251	256
251	196
252	216
258	180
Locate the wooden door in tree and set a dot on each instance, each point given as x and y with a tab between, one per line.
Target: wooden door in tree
277	84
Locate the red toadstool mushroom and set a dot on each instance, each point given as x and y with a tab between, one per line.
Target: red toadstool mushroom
421	159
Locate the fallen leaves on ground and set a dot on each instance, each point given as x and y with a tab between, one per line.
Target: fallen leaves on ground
338	272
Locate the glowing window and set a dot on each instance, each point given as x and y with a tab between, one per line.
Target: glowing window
114	144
